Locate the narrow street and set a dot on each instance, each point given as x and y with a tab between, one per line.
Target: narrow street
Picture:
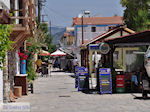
57	94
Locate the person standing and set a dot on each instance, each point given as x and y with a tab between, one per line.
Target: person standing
39	64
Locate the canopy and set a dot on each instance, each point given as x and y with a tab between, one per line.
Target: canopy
58	53
44	53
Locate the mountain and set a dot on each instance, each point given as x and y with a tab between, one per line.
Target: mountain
57	33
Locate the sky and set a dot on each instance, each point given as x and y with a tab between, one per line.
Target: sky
61	12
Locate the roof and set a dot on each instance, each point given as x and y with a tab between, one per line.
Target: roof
140	38
98	20
109	33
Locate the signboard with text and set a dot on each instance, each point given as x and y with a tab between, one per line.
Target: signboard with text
105	80
83	78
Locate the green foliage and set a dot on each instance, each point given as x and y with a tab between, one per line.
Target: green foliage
30	70
5	43
48	38
136	14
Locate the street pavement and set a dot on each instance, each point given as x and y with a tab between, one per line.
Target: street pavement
57	94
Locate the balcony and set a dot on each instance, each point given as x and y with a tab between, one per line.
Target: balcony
25	23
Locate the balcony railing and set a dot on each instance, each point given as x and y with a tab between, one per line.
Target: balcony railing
26	16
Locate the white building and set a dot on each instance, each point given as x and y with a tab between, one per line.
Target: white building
5	4
88	28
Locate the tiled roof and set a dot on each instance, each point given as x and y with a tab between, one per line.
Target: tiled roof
98	20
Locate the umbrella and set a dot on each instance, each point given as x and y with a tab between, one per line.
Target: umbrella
58	53
44	53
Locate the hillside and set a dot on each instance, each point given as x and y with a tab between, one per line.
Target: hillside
57	33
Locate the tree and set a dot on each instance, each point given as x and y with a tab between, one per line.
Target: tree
5	45
42	39
48	38
136	14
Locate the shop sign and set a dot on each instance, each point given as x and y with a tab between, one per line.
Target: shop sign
83	78
105	80
102	47
120	83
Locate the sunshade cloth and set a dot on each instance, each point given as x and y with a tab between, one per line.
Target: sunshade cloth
44	53
58	53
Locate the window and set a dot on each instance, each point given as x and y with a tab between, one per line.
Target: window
93	29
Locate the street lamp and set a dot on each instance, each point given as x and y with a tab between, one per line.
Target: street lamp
84	13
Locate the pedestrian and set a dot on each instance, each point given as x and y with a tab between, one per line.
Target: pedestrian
39	64
75	63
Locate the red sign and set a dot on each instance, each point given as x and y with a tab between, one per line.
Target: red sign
120	83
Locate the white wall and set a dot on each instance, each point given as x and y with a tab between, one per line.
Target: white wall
4	4
17	63
1	86
88	35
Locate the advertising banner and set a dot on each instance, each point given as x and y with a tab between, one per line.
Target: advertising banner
120	83
105	80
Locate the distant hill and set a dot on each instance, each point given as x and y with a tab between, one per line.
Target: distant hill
57	33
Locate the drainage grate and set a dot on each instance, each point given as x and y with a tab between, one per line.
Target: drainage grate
64	96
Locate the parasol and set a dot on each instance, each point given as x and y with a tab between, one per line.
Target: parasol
58	53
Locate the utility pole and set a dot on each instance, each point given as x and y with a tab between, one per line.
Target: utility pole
40	4
82	30
50	25
39	10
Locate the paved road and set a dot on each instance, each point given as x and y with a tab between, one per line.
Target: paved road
57	94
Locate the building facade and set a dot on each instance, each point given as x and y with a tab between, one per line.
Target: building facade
23	18
93	27
88	28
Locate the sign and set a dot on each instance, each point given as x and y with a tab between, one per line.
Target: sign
83	79
102	47
94	47
120	81
105	80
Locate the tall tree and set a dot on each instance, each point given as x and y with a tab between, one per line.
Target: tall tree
136	14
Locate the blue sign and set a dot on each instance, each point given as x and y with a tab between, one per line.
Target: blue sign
105	80
82	78
94	47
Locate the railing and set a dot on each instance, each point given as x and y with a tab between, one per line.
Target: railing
25	16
